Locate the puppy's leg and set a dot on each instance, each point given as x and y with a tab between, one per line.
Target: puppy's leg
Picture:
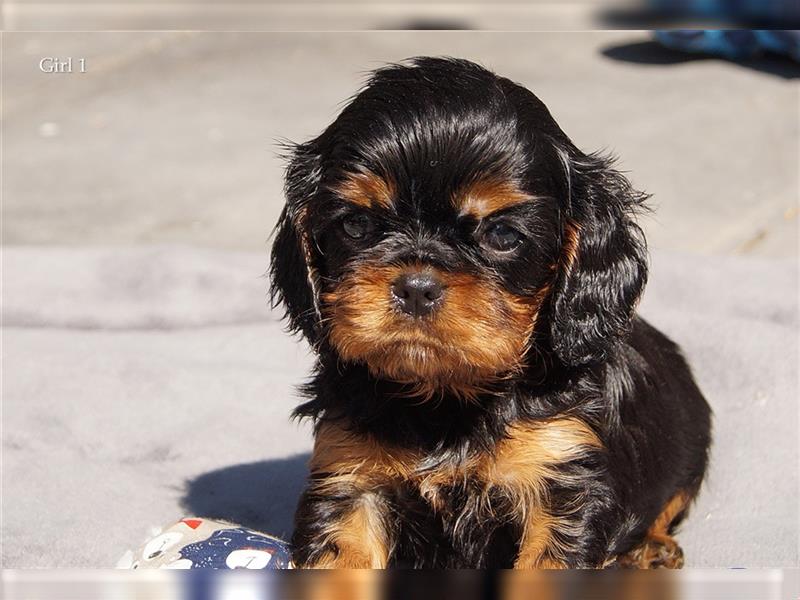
570	540
535	546
655	552
339	526
344	517
551	473
659	549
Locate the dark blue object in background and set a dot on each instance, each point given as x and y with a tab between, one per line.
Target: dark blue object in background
732	44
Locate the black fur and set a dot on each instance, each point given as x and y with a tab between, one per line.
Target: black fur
432	125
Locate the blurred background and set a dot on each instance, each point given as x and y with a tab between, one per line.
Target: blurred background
146	378
335	15
172	137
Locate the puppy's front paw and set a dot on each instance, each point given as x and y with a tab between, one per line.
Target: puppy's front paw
655	552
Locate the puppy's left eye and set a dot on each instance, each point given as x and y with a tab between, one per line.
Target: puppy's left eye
502	237
357	226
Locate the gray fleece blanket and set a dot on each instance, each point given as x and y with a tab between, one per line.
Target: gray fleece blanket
143	384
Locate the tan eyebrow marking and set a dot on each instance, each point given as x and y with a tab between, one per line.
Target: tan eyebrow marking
485	196
366	189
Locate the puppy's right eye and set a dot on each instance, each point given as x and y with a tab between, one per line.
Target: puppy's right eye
502	237
357	226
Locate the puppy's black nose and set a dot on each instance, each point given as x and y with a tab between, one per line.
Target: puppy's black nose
417	292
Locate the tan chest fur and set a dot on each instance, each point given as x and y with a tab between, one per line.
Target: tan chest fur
519	470
520	466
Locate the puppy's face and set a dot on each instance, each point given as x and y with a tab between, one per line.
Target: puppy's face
430	282
428	226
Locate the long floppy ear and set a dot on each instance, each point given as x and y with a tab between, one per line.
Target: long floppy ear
605	266
294	280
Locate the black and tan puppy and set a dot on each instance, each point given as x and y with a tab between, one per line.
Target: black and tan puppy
484	394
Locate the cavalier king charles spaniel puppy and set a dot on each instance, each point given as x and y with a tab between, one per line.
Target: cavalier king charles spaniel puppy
484	393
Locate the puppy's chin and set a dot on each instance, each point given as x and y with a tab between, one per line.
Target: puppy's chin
479	333
431	369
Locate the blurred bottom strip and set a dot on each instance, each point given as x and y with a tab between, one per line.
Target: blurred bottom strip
242	584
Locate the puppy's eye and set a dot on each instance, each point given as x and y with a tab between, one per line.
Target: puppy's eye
502	237
357	226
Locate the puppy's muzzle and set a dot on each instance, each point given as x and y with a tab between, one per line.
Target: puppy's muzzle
417	293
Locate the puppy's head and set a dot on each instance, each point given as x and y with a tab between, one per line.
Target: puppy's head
442	219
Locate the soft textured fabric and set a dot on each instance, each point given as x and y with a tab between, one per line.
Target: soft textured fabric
142	384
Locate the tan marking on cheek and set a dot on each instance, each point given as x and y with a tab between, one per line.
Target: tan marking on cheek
492	325
485	196
366	189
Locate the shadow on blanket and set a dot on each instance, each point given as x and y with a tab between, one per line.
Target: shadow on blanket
261	495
